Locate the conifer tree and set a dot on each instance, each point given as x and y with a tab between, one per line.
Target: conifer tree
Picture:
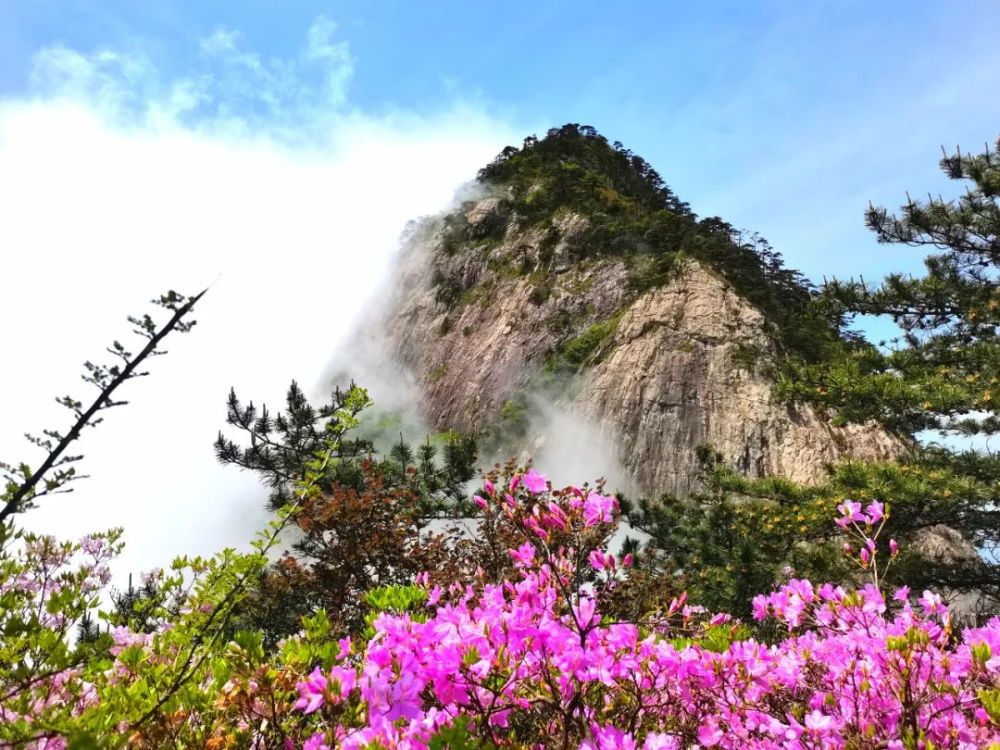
368	527
941	374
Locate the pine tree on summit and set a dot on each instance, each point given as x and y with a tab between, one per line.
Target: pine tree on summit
634	215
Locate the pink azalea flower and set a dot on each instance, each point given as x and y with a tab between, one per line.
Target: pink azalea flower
316	742
599	508
709	734
818	722
659	741
524	555
876	511
597	560
535	482
312	692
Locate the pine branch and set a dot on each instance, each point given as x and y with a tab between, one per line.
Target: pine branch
108	380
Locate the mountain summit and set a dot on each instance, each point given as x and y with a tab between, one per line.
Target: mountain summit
575	283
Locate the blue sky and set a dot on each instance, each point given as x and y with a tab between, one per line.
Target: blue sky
276	149
784	117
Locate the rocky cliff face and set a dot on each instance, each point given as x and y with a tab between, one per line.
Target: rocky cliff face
684	369
512	311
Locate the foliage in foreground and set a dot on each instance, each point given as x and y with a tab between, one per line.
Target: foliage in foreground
368	528
739	536
533	661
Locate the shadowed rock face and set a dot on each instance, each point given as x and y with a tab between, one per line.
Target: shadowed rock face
679	366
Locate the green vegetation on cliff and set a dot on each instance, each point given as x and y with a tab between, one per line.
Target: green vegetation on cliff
632	214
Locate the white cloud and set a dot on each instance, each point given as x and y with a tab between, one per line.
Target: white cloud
117	182
336	55
234	90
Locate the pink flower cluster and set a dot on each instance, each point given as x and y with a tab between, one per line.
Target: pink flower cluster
593	507
529	662
866	526
40	581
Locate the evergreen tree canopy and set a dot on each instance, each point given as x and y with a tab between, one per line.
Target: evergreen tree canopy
280	447
941	374
944	372
574	161
368	524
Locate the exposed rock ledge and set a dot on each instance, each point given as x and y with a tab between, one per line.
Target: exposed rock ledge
681	374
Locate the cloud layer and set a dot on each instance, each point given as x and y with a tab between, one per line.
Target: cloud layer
255	176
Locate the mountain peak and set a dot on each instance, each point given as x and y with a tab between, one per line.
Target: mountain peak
576	166
571	304
576	192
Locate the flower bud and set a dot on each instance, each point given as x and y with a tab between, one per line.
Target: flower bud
597	560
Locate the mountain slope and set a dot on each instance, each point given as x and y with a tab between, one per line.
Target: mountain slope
576	279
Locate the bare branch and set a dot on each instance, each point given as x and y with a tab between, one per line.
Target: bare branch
107	379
